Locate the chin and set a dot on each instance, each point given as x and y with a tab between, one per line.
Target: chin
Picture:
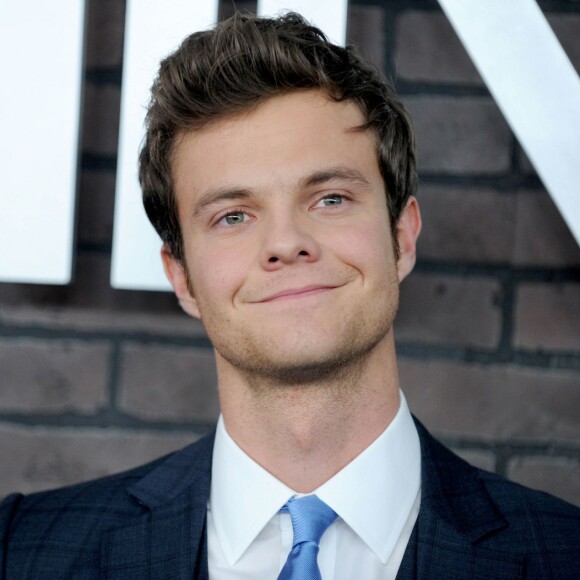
307	365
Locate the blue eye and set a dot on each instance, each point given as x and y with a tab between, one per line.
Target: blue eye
234	218
332	200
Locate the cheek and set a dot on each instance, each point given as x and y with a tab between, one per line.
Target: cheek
217	276
367	248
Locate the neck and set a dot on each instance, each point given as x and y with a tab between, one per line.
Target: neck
304	434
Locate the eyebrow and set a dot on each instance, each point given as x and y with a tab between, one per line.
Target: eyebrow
337	172
334	173
220	194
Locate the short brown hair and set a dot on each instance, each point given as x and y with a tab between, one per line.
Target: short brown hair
234	67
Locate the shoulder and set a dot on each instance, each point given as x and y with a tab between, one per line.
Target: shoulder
98	501
512	496
108	493
499	516
69	523
63	525
451	476
543	529
533	512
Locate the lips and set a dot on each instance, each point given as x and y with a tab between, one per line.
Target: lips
294	293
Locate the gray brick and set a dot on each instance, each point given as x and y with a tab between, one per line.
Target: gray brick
104	39
101	119
559	476
493	403
96	207
163	382
482	459
89	320
365	31
548	317
542	235
50	376
566	27
449	310
471	225
460	135
428	50
33	459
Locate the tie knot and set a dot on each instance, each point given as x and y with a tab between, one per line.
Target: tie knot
310	518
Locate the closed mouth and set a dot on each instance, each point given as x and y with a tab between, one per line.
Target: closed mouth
293	293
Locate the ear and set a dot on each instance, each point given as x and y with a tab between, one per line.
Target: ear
408	230
177	276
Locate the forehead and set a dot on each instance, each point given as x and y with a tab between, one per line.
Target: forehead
280	140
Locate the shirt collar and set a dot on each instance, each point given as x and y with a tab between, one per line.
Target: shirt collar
373	494
243	497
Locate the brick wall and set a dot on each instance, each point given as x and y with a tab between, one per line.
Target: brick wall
95	380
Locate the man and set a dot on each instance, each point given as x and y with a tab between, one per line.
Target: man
279	171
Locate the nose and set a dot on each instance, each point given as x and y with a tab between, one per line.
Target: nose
286	241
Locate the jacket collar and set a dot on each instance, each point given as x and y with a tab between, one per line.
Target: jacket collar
188	467
453	492
169	539
456	515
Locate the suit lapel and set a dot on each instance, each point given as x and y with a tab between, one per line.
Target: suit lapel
455	517
168	539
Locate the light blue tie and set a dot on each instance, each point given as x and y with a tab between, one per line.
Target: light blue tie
310	519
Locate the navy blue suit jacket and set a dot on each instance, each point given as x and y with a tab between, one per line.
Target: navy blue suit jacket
149	523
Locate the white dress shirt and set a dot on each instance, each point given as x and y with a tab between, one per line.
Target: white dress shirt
376	497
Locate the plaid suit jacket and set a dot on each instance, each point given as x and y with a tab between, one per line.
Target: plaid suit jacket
149	523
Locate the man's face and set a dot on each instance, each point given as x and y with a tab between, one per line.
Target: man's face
286	237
